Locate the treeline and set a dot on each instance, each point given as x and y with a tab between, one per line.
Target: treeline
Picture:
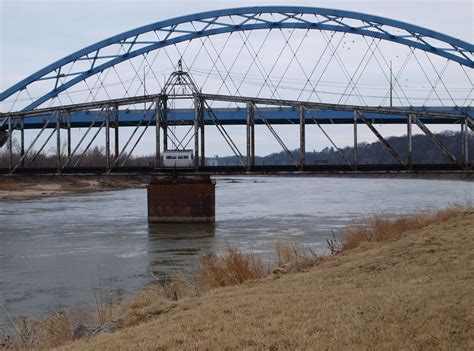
424	151
94	157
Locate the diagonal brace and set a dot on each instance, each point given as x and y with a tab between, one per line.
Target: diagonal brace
332	142
3	122
223	132
435	140
384	141
33	142
43	146
90	144
275	134
127	156
69	159
142	120
470	123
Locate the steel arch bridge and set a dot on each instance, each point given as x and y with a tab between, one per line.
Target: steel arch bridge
37	102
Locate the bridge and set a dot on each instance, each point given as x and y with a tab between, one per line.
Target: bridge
164	85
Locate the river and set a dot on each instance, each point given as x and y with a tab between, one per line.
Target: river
55	251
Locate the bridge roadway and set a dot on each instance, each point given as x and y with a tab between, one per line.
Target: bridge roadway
282	112
254	170
111	114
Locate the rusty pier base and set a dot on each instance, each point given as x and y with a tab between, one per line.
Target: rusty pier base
181	199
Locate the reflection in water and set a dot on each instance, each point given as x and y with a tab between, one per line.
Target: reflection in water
179	231
178	247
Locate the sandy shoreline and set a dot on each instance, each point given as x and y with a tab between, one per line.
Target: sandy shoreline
19	188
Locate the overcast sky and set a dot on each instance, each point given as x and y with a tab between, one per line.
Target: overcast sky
35	33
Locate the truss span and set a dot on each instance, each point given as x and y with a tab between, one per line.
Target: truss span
187	28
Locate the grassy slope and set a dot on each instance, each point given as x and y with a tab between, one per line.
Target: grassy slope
413	293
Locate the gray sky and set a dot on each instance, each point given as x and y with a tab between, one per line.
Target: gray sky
36	33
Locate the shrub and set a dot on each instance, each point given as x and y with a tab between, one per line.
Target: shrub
232	268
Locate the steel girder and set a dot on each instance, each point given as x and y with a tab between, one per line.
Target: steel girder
239	19
232	116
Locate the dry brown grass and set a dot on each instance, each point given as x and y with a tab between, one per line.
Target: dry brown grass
107	305
292	257
51	331
150	302
232	268
412	293
60	327
383	229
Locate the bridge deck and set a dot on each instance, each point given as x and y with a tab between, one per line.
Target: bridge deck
255	170
238	116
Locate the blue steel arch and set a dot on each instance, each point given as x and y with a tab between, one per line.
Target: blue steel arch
332	20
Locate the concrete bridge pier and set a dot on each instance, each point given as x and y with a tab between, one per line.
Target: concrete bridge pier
181	199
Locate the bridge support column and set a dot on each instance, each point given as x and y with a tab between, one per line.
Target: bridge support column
465	142
184	199
116	134
252	141
410	144
69	148
10	144
356	113
107	140
22	142
196	133
198	123
250	135
466	145
203	156
58	142
158	112
203	144
164	121
302	139
165	136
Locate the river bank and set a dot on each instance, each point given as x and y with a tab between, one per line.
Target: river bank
24	187
27	187
411	293
404	284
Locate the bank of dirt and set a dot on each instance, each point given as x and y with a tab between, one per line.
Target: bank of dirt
32	187
413	293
